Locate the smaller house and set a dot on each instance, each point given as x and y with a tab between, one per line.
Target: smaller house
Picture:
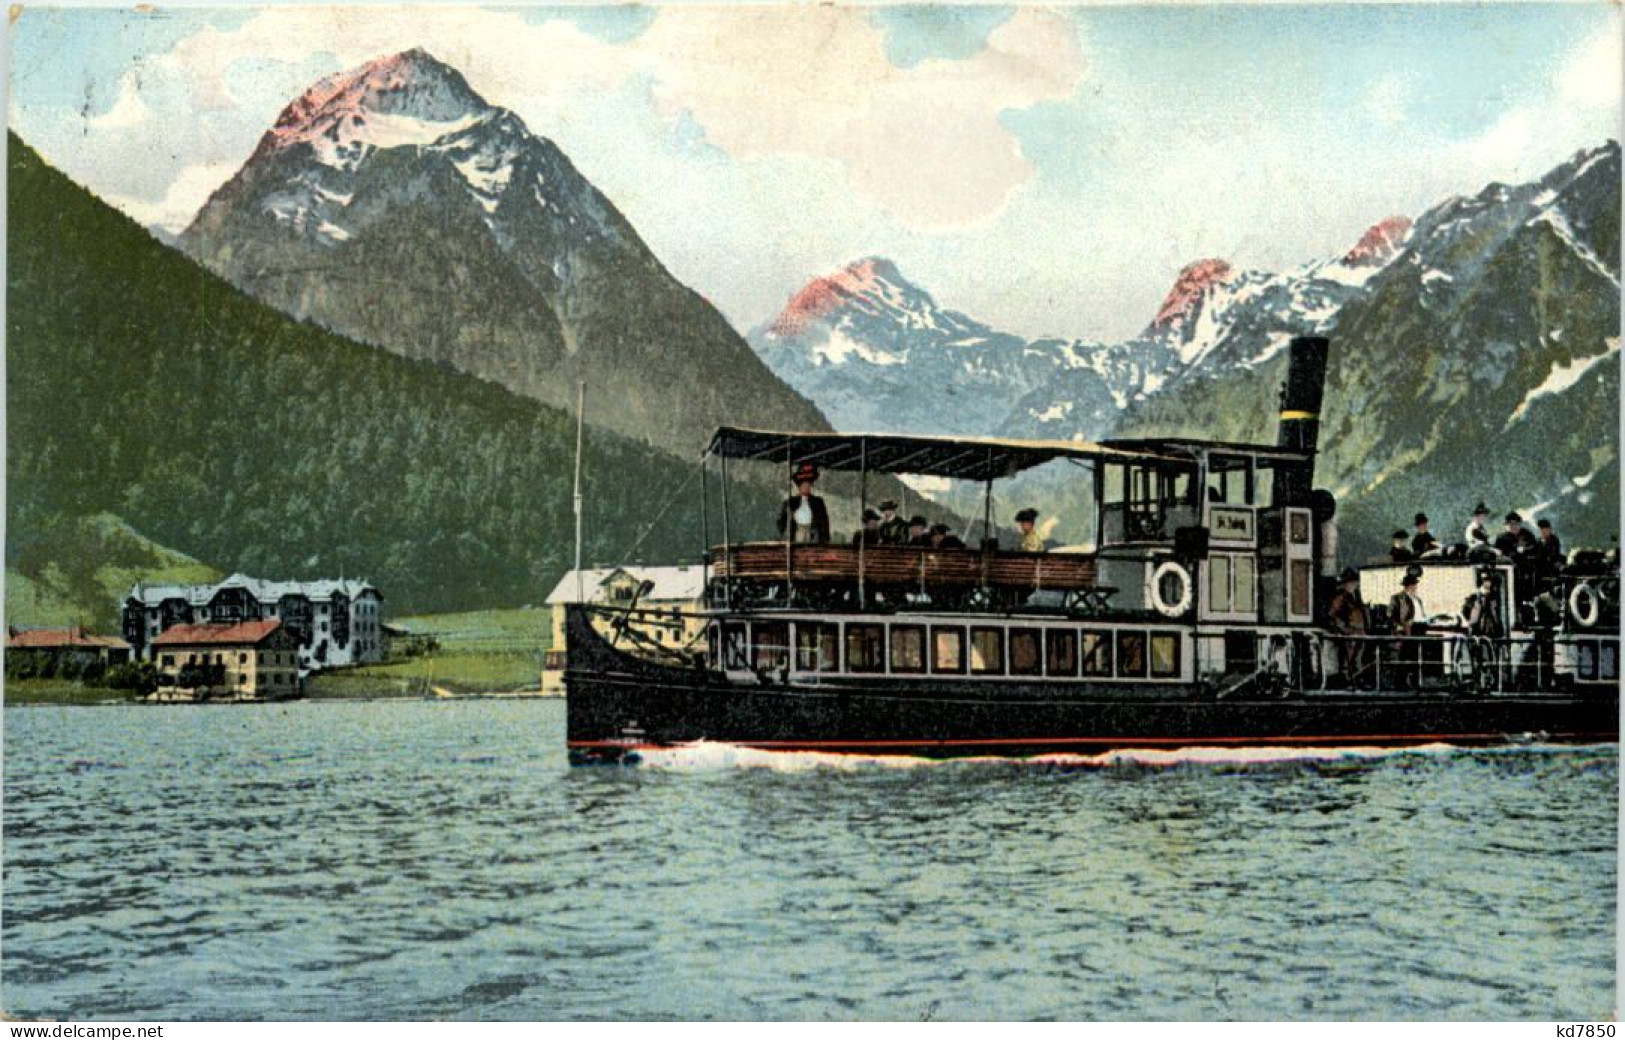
666	601
242	661
65	649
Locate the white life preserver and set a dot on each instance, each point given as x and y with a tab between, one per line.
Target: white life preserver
1585	605
1176	606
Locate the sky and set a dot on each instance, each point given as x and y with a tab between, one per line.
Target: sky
1046	170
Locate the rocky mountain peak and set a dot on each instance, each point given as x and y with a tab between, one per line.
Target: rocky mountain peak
1194	280
399	99
874	278
1380	242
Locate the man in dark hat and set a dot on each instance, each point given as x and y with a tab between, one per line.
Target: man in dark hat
1031	540
943	537
869	534
1482	610
1507	542
1347	616
1478	531
893	529
1407	617
1423	543
1548	555
1400	550
803	518
919	531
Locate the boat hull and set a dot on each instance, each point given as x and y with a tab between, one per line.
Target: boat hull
620	703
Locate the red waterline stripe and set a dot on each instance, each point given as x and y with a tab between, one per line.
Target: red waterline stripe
1118	741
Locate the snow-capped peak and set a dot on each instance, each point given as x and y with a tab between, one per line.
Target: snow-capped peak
1380	243
873	284
1182	300
406	98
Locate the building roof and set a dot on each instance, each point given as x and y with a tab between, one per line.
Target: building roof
218	633
670	583
61	638
261	589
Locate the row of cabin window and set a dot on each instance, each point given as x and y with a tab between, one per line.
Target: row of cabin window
867	646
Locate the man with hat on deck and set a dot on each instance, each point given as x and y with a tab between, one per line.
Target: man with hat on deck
1400	550
1423	543
869	533
1407	617
893	529
1347	616
943	537
1031	540
803	519
919	532
1548	555
1482	610
1507	543
1478	532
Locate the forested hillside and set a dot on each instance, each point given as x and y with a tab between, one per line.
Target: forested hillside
141	386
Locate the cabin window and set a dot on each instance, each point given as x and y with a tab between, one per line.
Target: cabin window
1587	653
1229	481
772	645
1298	527
866	648
1131	655
1165	655
1246	598
908	648
1218	584
734	644
1061	651
1097	653
948	651
1302	580
818	647
1607	661
1025	656
1112	485
987	651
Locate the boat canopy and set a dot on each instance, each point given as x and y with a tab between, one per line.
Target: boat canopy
958	458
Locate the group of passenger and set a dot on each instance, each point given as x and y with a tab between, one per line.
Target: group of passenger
804	519
1407	616
1537	558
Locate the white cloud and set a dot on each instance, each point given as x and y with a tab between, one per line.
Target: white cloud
187	194
128	111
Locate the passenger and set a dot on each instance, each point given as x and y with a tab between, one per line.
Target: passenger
1407	618
869	534
1478	530
1400	551
943	537
1482	610
1031	540
1424	544
893	529
1347	616
803	518
1548	556
1479	550
919	532
1507	543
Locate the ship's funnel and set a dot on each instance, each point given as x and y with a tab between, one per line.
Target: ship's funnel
1300	397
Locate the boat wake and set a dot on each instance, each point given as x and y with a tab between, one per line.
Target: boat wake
706	756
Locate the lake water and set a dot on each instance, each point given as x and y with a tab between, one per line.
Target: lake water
440	860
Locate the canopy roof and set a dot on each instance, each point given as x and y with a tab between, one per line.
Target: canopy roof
958	458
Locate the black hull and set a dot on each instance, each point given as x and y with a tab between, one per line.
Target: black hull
619	703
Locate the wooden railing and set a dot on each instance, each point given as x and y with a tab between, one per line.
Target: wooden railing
904	565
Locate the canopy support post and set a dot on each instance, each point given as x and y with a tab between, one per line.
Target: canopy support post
789	538
705	527
863	506
727	539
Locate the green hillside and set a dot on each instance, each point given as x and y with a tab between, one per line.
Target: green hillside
141	387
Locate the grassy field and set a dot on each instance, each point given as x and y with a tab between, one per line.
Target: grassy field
482	651
58	691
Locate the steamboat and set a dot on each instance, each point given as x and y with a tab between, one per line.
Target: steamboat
1198	617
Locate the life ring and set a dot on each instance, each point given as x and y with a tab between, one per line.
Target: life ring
1585	605
1175	606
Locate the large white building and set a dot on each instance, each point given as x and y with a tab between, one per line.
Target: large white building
335	622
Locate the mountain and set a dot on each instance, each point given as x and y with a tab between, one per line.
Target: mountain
144	394
391	203
878	353
1476	358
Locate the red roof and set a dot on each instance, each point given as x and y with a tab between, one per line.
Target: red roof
61	639
218	632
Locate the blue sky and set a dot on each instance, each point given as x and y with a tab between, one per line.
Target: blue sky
1047	170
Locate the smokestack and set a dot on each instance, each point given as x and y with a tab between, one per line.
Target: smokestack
1300	397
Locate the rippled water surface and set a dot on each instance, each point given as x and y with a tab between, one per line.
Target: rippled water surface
440	860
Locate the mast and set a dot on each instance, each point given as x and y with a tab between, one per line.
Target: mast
581	414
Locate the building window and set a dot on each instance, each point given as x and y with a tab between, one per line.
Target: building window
242	658
1097	653
1061	651
1025	657
948	651
987	651
818	647
866	648
169	660
908	649
1131	655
